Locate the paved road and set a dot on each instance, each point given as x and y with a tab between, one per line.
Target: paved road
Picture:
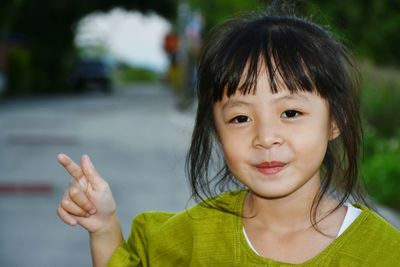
137	139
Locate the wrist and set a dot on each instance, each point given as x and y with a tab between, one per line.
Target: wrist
112	226
105	241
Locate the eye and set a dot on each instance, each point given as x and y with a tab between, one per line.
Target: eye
240	119
291	113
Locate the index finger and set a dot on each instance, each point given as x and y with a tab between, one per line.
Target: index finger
72	168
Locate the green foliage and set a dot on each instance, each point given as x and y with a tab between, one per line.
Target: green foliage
20	71
371	26
217	11
380	107
128	74
380	98
92	51
381	169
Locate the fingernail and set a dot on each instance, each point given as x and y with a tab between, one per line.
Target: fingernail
92	211
60	157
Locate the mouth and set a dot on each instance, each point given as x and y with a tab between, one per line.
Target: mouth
270	168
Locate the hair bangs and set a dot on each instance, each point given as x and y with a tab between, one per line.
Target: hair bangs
288	62
238	66
286	54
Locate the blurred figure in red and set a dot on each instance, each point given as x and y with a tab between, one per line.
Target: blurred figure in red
171	46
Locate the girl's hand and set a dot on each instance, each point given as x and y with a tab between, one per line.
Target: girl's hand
88	200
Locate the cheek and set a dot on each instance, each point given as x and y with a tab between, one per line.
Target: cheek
230	146
312	145
235	149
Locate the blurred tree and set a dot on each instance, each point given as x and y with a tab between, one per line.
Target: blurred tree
372	26
46	30
217	11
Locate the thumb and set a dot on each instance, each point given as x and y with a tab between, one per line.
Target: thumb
91	173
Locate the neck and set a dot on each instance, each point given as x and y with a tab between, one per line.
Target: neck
287	214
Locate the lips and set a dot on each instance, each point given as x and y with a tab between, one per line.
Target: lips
270	168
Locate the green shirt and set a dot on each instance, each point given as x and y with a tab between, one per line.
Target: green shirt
202	236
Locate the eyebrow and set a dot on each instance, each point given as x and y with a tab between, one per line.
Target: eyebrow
238	103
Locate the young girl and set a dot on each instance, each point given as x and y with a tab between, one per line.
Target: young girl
278	120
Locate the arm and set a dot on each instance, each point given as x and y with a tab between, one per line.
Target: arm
88	202
105	242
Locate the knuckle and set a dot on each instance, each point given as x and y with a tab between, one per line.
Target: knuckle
87	206
76	173
82	213
74	192
65	203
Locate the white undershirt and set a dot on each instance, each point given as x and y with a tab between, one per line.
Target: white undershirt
351	214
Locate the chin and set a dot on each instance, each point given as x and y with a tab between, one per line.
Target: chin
271	194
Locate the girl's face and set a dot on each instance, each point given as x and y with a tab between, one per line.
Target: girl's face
275	143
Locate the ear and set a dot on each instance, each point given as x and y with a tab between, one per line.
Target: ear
334	131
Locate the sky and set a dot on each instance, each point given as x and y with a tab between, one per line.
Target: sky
127	36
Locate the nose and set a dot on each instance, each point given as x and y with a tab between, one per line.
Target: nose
268	135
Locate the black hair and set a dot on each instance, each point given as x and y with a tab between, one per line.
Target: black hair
307	58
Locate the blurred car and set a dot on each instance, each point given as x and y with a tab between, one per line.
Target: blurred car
93	74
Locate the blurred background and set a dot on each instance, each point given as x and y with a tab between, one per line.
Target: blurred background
115	80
